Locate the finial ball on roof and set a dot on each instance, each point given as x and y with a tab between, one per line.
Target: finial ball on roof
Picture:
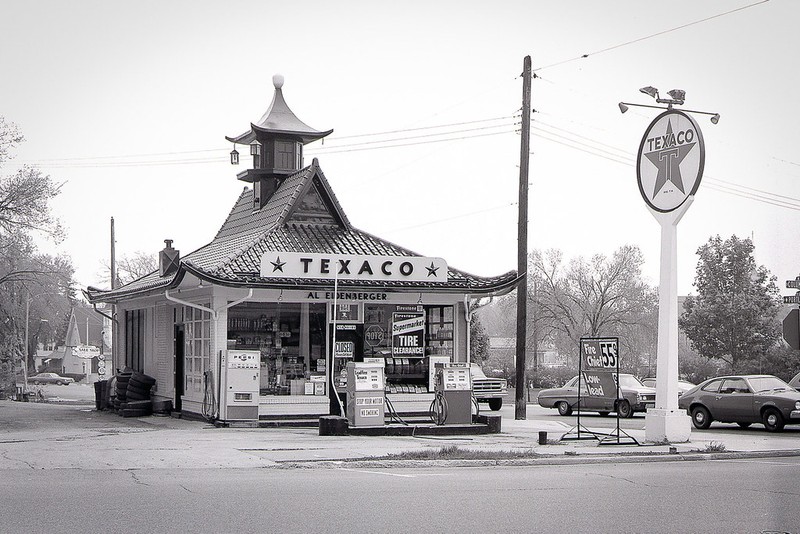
277	81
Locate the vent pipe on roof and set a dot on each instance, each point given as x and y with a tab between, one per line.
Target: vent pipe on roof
169	259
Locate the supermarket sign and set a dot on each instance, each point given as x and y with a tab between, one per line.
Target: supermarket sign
353	267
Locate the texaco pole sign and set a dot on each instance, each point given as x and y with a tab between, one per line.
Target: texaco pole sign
670	162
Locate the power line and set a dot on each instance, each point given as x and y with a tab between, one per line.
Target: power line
646	37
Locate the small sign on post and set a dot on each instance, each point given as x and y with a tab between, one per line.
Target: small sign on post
792	299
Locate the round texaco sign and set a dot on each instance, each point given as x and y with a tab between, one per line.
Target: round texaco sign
670	162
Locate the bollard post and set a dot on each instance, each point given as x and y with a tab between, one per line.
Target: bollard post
543	438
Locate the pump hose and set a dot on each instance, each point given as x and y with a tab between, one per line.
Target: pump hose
438	409
477	407
209	404
393	415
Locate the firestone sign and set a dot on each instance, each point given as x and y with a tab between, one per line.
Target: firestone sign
670	161
353	267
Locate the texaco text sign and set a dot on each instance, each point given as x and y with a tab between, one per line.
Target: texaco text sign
670	162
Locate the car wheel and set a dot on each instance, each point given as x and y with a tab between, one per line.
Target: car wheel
495	404
773	420
604	414
624	409
700	417
744	425
62	383
564	408
36	382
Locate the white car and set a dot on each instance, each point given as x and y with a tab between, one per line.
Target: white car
683	385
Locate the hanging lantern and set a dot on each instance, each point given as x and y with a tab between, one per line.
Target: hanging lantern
255	148
234	156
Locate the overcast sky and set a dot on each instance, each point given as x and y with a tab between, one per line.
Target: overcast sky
128	104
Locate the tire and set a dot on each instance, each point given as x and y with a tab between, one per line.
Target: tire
744	425
604	414
624	409
701	418
495	404
36	382
773	420
564	408
62	383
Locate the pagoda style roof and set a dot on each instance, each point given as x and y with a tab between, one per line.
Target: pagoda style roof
304	216
279	119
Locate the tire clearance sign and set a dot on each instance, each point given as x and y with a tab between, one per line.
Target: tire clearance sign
408	332
600	362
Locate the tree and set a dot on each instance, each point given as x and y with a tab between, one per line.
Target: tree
25	197
598	297
734	315
130	268
478	340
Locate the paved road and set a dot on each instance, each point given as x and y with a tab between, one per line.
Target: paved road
753	495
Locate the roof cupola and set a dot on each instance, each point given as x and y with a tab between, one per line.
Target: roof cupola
276	143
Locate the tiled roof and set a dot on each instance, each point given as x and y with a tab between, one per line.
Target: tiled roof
233	258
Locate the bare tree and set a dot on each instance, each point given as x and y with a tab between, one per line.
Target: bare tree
598	297
130	268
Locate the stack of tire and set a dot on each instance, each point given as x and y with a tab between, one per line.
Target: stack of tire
137	394
123	377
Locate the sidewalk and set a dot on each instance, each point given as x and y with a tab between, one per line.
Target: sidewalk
53	436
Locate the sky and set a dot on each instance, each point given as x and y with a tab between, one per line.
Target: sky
128	105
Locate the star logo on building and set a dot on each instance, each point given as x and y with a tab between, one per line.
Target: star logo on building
668	161
277	265
432	270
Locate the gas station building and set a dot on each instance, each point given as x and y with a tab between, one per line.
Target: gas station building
261	321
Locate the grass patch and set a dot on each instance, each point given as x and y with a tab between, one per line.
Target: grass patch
453	452
714	446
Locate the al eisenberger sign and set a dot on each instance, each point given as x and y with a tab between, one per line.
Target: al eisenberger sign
353	267
670	161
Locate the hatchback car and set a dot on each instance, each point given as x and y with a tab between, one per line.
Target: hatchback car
50	378
634	397
795	381
744	400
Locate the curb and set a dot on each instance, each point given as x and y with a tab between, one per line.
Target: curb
571	459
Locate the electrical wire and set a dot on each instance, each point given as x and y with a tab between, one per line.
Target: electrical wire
646	37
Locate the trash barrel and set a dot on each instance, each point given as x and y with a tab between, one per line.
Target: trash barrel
100	394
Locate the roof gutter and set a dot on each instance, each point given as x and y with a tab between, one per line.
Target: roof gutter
214	312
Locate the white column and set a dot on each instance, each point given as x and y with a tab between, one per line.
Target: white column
665	422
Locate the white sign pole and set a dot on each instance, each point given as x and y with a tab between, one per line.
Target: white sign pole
665	422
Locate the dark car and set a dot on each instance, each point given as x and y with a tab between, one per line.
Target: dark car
744	400
50	378
795	381
635	397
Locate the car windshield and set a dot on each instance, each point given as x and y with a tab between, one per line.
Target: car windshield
767	383
629	381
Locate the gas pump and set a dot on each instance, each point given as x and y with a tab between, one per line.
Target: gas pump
241	393
452	403
365	393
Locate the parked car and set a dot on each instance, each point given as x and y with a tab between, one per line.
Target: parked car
50	378
635	397
485	389
795	381
744	400
683	385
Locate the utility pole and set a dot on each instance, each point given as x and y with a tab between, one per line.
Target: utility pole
114	363
520	410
